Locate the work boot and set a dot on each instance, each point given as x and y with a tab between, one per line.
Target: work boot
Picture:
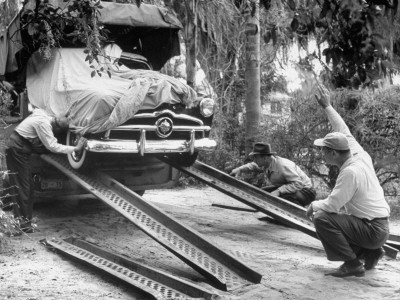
346	270
27	227
372	257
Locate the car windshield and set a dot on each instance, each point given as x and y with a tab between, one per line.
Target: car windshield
134	61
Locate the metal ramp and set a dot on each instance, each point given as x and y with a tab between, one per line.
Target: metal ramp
154	282
280	209
221	269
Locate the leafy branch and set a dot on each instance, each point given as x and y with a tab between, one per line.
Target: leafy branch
77	23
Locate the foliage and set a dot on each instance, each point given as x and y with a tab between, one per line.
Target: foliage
358	50
221	53
8	224
372	117
50	26
5	102
8	10
394	209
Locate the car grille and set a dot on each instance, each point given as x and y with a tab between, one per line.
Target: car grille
152	119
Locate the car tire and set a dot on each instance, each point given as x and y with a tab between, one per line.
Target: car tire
185	159
140	192
81	161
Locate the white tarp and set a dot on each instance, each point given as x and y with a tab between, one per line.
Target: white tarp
64	86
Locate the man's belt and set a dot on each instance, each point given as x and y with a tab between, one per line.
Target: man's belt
375	219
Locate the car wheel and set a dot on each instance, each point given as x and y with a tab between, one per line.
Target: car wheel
78	161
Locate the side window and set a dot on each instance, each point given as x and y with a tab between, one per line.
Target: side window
276	107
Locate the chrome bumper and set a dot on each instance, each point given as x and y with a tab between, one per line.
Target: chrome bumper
150	146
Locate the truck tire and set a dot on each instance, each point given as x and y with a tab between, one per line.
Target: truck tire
184	159
81	161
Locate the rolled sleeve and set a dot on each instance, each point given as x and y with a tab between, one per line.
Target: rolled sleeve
46	136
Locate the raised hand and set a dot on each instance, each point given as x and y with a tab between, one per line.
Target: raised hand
323	98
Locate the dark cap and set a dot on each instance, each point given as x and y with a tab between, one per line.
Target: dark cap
261	149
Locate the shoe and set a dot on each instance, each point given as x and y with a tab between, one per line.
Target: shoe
361	254
346	270
372	257
28	229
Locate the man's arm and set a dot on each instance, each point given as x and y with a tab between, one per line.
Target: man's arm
336	120
46	136
250	167
344	190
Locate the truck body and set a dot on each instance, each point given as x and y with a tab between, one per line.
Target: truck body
130	113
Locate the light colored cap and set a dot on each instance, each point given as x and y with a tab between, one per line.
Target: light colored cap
333	140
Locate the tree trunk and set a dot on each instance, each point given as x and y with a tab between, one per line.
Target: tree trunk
252	76
191	41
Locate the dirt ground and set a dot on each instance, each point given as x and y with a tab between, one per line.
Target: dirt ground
292	263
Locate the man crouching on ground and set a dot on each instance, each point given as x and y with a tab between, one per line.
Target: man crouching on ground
361	231
287	179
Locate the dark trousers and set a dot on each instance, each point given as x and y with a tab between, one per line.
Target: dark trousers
18	153
344	237
302	197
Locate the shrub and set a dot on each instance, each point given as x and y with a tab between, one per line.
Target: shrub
6	102
8	224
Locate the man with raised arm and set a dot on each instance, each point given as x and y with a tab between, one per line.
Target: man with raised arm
360	231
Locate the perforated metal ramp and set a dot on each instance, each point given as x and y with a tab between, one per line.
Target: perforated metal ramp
280	209
153	282
286	212
221	269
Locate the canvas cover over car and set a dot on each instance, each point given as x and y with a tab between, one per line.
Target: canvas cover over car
64	86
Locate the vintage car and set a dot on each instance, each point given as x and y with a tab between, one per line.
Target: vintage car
128	110
134	111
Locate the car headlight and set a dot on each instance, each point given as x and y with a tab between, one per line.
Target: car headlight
207	107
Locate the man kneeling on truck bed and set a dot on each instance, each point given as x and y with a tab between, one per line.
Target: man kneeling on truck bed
35	134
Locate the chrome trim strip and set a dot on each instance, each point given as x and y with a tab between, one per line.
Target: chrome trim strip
167	111
154	127
150	146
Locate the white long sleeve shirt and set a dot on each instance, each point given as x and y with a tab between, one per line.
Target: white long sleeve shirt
357	187
38	125
283	173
